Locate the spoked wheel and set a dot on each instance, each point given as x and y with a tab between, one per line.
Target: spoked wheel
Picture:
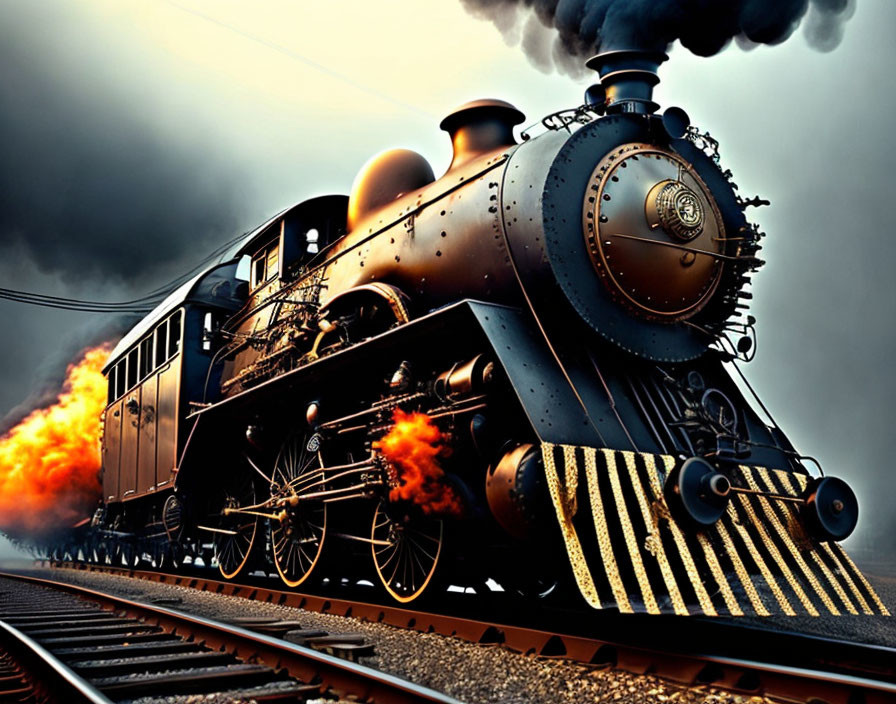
405	553
297	538
235	531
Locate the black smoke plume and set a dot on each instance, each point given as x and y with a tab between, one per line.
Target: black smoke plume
705	27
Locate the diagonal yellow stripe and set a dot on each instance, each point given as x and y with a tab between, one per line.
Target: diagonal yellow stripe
846	578
754	553
801	479
790	517
571	479
603	535
629	533
739	568
690	567
803	482
653	530
570	538
788	543
719	575
846	558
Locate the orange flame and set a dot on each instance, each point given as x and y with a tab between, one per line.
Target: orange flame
50	462
412	447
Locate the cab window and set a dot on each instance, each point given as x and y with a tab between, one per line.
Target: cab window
146	357
120	379
132	368
264	264
161	344
174	334
112	372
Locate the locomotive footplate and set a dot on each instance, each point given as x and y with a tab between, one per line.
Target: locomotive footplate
627	551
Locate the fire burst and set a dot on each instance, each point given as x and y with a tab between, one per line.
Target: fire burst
50	462
413	446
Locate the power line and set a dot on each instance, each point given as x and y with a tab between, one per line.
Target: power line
85	306
141	305
305	60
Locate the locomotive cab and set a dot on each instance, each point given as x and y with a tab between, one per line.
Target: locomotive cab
280	251
282	247
153	373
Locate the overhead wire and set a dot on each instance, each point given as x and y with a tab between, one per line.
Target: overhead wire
146	303
143	304
305	60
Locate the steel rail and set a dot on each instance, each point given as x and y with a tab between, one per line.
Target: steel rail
334	674
626	644
78	690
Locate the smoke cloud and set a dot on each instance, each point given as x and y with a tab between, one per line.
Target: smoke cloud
91	187
102	196
50	461
562	34
52	372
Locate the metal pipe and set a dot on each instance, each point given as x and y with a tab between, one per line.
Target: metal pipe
380	406
358	538
223	531
329	479
714	255
628	79
768	495
343	490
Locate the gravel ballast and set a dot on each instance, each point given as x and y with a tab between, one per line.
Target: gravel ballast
469	672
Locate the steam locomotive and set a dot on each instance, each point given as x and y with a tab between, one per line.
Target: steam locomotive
520	373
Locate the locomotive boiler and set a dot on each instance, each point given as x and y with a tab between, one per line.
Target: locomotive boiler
518	373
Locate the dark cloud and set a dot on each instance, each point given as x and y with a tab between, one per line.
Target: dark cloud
43	387
90	187
584	27
100	198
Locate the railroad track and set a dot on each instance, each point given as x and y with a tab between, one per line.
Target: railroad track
67	643
747	660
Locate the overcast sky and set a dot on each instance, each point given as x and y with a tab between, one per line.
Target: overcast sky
138	135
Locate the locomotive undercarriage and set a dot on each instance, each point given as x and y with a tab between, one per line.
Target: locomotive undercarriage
302	484
304	488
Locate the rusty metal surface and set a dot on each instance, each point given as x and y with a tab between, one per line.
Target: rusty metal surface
448	226
130	432
167	413
752	661
147	424
111	449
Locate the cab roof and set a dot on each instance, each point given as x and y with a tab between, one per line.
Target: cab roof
215	286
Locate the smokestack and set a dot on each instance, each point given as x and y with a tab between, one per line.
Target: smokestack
480	126
628	78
